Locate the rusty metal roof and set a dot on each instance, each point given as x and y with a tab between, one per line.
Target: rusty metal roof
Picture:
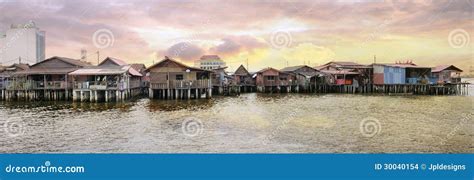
106	71
343	71
119	62
179	63
444	67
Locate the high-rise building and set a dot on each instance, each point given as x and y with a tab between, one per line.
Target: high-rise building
210	62
22	43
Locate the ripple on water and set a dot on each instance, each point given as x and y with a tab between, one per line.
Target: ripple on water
247	123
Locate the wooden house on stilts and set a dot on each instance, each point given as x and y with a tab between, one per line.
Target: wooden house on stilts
244	80
443	74
6	73
306	77
273	80
46	80
170	79
111	80
222	83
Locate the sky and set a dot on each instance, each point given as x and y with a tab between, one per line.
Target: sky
265	33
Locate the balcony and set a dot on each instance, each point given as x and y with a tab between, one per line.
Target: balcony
278	83
109	85
37	85
182	84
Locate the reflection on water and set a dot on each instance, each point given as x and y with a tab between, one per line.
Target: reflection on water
248	123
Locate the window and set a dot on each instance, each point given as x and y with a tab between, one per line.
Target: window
179	77
271	78
283	79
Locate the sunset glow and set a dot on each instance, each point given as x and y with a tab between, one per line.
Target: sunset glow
267	33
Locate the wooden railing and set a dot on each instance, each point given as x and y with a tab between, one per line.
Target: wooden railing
51	85
102	85
3	84
32	85
246	83
182	84
135	84
278	83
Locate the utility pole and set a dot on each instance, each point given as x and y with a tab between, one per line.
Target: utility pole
375	59
247	64
83	55
19	59
98	56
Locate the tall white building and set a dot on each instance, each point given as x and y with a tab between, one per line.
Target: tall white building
209	62
22	42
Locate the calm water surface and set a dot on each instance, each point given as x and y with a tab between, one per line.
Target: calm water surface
248	123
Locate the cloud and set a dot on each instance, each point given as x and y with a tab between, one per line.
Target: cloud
237	29
307	53
185	51
232	45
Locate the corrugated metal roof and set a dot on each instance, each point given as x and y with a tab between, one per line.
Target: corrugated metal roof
344	71
106	71
114	60
74	62
133	71
402	65
344	63
179	63
241	71
443	67
267	69
45	71
139	67
292	68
